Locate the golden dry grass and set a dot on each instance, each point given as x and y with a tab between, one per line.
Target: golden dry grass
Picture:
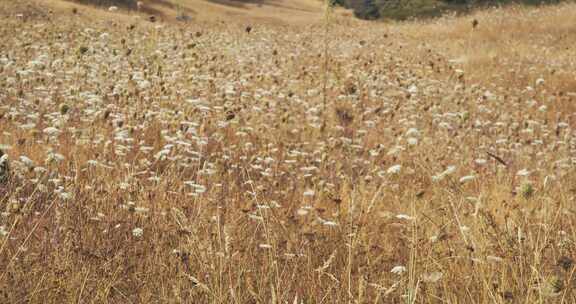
166	163
278	12
517	44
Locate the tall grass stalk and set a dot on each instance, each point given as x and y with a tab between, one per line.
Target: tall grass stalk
327	22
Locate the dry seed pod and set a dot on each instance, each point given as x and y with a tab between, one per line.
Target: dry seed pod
4	168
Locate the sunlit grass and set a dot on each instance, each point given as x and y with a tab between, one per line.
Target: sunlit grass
348	163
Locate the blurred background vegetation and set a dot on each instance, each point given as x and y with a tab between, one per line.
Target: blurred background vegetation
407	9
127	4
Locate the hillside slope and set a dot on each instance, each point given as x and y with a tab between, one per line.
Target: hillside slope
264	11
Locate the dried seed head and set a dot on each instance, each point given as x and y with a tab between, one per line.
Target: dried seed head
83	50
565	263
64	108
4	169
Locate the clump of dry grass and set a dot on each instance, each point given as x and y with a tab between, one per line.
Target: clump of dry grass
190	165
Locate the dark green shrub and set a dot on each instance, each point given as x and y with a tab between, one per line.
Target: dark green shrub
367	10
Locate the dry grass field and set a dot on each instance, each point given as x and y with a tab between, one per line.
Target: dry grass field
202	162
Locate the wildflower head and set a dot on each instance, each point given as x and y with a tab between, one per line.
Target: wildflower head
138	232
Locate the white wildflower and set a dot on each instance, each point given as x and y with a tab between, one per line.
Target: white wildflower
412	141
141	209
480	161
404	217
543	108
26	161
330	223
398	270
255	217
495	259
309	192
137	232
3	159
523	172
432	277
448	171
302	211
394	169
51	131
413	132
467	178
3	231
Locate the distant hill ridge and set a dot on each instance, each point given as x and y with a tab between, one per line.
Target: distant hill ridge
302	11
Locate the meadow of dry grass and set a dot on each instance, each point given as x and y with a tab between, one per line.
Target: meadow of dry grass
426	162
